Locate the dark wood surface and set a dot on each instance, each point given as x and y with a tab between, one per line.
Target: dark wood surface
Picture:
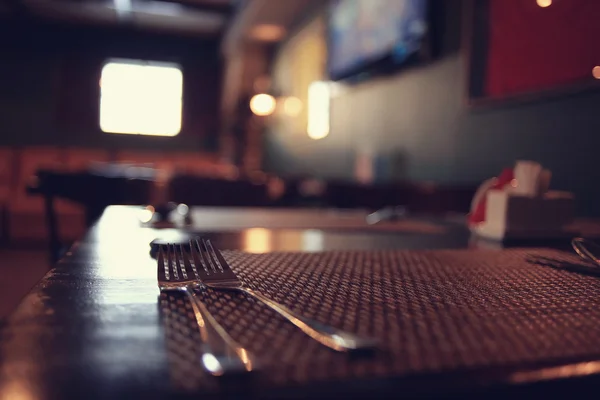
92	327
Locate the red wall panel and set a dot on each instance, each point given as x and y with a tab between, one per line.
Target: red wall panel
533	48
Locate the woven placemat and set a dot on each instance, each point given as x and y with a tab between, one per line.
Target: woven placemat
434	311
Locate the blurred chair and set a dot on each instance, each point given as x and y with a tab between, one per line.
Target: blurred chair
80	159
93	190
26	213
71	216
195	191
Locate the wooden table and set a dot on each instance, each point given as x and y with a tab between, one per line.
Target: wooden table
92	327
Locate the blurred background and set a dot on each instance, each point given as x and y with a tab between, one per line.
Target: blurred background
287	103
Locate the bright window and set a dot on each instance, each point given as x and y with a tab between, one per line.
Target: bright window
141	98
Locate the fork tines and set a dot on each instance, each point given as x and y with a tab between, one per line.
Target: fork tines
173	264
200	249
215	269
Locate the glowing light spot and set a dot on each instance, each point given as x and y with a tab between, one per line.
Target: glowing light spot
183	209
544	3
318	110
257	240
292	106
146	214
262	104
212	364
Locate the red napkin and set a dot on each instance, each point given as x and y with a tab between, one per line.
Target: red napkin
478	215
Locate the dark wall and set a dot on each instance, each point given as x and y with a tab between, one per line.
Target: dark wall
49	90
418	122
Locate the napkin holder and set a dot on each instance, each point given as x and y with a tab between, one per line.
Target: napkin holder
512	216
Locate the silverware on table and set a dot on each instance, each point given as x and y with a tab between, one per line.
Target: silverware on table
587	249
221	355
217	274
386	214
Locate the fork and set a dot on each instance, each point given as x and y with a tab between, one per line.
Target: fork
217	274
586	249
220	353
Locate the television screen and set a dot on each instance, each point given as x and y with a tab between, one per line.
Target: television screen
362	32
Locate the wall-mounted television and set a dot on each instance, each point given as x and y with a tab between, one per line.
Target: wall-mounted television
367	36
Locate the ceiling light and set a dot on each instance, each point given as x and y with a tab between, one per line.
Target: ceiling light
596	72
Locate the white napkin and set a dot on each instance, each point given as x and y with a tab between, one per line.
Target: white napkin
528	175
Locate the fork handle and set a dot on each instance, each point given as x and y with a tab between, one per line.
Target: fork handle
329	336
221	355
